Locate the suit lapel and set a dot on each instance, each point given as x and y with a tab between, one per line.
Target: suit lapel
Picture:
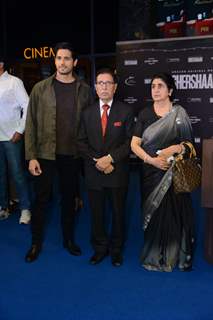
97	123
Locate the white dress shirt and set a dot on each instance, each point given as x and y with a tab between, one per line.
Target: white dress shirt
101	103
13	106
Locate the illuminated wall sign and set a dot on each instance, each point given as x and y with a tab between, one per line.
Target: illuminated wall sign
36	53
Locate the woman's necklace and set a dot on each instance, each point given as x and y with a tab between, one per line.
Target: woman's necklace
162	110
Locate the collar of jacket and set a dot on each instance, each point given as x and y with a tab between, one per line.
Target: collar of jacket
78	80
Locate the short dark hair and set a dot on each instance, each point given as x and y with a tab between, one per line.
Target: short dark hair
65	45
108	71
169	81
3	60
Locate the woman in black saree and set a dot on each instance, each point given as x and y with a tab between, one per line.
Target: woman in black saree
159	134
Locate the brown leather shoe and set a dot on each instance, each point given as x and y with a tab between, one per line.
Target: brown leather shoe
33	253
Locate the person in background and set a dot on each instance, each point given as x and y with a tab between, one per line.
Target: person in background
52	126
104	143
159	134
13	109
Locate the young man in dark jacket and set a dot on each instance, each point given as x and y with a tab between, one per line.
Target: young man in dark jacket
52	126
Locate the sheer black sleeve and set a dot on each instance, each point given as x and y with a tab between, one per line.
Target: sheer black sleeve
139	126
146	117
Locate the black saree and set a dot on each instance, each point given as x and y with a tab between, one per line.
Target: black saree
168	217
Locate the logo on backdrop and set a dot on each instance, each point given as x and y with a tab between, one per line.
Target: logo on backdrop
194	81
197	140
195	119
194	100
130	81
151	61
173	60
130	62
130	100
147	81
195	59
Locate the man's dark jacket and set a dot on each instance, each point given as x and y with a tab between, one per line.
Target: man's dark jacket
116	142
40	130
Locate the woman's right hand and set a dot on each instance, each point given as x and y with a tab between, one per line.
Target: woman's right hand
160	163
170	151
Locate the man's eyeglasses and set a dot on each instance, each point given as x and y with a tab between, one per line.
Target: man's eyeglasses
103	83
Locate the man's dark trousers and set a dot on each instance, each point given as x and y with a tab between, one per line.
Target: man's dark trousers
67	168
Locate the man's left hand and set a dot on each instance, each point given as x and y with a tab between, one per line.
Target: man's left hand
16	137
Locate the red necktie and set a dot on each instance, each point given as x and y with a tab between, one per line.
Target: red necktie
104	119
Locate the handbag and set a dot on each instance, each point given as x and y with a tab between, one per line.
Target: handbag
186	172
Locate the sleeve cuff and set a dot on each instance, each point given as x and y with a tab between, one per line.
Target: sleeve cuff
111	158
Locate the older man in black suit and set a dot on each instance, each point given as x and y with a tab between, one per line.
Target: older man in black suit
104	143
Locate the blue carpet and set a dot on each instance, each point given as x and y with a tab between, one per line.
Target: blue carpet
60	286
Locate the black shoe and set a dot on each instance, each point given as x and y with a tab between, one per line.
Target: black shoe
97	258
72	248
33	253
117	259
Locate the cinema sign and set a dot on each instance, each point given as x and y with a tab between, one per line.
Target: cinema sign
38	53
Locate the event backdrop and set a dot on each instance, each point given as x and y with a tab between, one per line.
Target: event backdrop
189	60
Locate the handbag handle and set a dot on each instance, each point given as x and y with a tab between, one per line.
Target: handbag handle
192	153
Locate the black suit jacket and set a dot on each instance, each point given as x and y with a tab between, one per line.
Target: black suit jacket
116	142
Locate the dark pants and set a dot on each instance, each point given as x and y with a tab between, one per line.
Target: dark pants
99	238
68	170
